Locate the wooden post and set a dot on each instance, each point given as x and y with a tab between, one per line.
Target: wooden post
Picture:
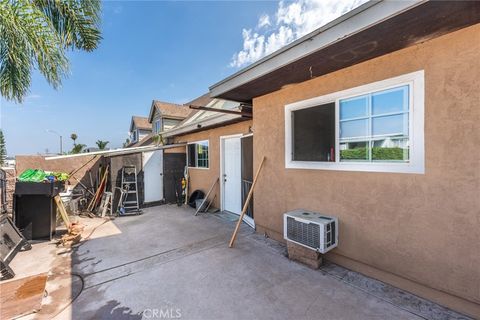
186	182
78	169
206	197
211	202
245	206
63	212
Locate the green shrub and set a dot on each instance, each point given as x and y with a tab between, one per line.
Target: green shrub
354	154
378	153
387	153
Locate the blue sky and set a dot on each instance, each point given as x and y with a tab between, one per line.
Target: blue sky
170	51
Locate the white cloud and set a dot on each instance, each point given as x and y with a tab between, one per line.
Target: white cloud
264	21
292	21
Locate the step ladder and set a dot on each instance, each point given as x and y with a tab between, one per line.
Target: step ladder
106	204
129	193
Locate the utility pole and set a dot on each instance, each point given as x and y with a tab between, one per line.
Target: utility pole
61	138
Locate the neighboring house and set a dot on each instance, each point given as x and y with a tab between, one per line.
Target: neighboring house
209	132
9	162
372	118
201	101
164	115
160	170
139	129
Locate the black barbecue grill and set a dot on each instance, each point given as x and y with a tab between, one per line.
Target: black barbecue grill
35	209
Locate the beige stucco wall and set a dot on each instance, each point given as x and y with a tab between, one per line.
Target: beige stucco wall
175	150
203	179
398	227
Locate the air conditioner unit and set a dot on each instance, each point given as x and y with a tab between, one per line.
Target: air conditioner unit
310	229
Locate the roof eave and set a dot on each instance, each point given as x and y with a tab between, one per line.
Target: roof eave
362	17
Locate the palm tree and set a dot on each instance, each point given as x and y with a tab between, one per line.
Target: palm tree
78	148
3	149
36	34
102	144
74	137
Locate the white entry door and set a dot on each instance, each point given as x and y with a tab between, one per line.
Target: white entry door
153	175
232	183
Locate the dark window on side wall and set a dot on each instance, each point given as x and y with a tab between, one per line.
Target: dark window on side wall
314	133
192	161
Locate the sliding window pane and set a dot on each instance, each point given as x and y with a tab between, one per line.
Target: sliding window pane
354	108
390	149
314	133
354	151
390	101
354	129
390	125
192	159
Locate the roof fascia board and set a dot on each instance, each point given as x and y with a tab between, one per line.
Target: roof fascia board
152	112
132	124
172	117
357	20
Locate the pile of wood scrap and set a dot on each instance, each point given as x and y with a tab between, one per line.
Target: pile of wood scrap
98	197
74	229
100	202
73	236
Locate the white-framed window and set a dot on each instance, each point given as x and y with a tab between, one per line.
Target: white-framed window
375	127
197	154
158	127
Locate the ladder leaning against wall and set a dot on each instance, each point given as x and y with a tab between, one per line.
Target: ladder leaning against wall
129	196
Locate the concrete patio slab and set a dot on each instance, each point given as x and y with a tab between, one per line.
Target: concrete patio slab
169	264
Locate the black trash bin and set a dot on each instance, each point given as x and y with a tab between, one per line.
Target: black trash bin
35	209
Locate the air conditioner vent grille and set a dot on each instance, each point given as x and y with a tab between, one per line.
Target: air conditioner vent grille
304	233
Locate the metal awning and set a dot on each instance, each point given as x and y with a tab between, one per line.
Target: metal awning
219	120
117	152
217	113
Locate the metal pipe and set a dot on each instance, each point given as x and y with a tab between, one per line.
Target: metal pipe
61	138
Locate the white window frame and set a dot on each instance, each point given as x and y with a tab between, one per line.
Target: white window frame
196	154
416	162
